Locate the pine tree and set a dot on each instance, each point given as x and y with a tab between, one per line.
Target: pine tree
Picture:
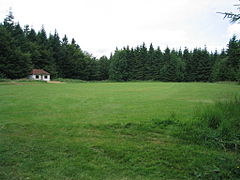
103	68
138	68
158	64
54	45
165	71
13	62
115	69
186	57
120	67
191	65
32	36
65	40
203	68
233	60
149	65
131	61
9	22
143	58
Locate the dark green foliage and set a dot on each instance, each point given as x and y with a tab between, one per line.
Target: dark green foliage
103	68
174	66
151	71
13	62
197	65
119	68
233	60
203	65
219	71
226	66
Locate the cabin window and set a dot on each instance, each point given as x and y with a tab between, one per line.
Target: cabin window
37	76
45	77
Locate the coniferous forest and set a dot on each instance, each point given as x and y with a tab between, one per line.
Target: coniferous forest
22	49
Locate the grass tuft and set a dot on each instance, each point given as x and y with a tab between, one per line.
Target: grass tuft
216	125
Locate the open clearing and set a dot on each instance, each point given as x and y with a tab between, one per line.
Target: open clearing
94	131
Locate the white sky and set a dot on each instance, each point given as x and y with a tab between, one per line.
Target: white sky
99	26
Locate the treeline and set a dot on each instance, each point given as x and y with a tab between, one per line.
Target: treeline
22	49
144	63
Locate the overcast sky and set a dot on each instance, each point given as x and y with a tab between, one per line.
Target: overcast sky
99	26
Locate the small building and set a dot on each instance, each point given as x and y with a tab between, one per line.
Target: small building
39	74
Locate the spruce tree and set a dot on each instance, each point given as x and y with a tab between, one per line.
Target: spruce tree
186	57
13	62
150	63
103	68
203	68
158	64
233	60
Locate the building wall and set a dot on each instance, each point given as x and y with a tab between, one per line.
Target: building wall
39	77
46	77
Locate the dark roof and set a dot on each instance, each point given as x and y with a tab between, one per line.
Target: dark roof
39	72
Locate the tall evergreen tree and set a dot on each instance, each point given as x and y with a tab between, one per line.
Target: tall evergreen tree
150	63
233	60
13	62
119	67
103	68
158	64
186	57
203	68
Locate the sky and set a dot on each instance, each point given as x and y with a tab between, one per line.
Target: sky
99	26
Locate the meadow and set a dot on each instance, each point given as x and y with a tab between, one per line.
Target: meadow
110	130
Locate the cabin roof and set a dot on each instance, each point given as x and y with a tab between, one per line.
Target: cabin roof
39	72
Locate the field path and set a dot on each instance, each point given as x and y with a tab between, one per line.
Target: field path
55	82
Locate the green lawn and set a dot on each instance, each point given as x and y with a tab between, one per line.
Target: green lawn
104	131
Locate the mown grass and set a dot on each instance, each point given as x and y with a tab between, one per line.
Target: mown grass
70	80
110	131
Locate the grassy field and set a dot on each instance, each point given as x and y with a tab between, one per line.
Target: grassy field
108	131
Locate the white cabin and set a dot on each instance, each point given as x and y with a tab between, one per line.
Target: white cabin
39	74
